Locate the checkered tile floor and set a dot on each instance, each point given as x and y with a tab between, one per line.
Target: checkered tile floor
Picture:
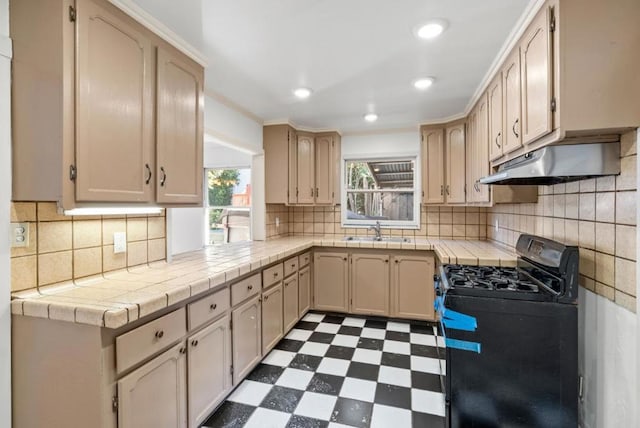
336	371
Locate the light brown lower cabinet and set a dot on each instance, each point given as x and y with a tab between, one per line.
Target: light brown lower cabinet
209	364
412	286
271	317
370	284
290	301
155	394
385	283
304	290
331	281
246	335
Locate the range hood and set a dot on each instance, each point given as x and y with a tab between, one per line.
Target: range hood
559	164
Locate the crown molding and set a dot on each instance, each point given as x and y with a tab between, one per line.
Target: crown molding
233	106
157	27
299	127
6	47
518	30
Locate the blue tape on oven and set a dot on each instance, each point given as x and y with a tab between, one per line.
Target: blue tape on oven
463	345
458	321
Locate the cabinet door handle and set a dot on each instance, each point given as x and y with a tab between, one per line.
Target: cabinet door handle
441	190
159	334
396	261
386	260
149	174
163	177
266	298
250	287
213	306
194	343
317	192
312	192
183	350
498	136
513	128
447	188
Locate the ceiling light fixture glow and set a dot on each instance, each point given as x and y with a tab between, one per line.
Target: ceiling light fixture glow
302	93
370	117
424	83
431	29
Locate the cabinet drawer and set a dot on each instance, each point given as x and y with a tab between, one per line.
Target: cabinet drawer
208	308
245	289
304	259
290	266
272	275
146	340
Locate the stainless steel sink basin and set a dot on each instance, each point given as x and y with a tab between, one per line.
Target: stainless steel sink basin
374	239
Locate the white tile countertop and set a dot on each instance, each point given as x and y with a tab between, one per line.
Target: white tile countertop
117	298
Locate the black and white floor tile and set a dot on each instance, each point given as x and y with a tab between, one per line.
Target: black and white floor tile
343	371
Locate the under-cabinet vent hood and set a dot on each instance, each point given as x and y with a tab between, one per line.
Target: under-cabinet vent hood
559	164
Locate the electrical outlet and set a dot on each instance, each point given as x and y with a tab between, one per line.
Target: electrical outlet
119	242
277	221
19	235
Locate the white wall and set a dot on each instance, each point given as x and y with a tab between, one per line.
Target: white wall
383	144
5	199
242	140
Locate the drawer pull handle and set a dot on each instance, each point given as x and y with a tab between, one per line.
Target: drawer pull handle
250	287
194	343
213	306
293	265
275	274
159	334
183	350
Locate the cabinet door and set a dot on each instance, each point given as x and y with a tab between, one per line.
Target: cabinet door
511	104
495	118
246	334
433	166
305	169
455	155
271	317
155	395
324	170
535	57
412	287
293	166
330	281
471	164
304	290
481	151
114	107
209	364
179	129
290	302
370	284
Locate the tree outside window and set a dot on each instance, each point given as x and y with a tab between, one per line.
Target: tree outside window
229	203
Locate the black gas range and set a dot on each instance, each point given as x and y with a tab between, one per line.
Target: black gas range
512	337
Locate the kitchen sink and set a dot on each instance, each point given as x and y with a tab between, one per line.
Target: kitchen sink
374	239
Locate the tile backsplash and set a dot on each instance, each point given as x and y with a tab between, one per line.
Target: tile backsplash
64	248
598	215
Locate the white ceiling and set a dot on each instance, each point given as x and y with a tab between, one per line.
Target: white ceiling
357	55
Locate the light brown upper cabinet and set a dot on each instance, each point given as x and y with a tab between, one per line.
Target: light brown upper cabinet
93	112
301	167
511	103
305	177
433	165
370	284
179	129
331	281
495	118
470	152
478	161
114	139
535	62
454	188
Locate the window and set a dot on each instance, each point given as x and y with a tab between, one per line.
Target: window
381	190
228	202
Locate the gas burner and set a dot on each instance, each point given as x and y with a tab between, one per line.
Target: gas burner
490	278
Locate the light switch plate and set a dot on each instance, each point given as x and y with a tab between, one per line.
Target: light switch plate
119	242
19	235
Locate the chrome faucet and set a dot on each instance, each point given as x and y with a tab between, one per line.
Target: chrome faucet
376	228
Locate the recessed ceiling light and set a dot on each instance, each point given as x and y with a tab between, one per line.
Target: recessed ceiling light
431	29
423	83
370	117
302	93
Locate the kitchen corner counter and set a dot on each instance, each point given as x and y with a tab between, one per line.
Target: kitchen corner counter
121	297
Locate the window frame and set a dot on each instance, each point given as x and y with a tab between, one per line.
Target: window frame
207	207
387	224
